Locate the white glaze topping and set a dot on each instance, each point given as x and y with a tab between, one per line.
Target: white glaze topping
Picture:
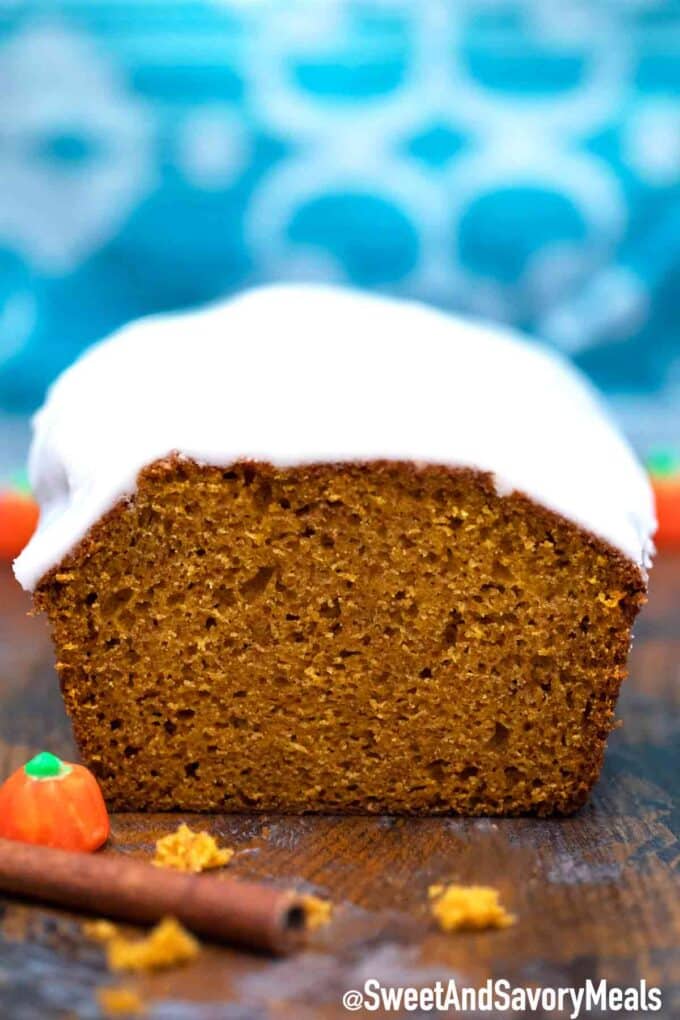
301	374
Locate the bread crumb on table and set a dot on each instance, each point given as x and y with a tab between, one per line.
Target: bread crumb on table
186	850
120	1001
317	911
468	908
166	945
99	931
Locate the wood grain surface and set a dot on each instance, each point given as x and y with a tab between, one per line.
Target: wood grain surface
596	895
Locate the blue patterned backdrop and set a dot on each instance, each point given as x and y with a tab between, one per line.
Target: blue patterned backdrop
515	160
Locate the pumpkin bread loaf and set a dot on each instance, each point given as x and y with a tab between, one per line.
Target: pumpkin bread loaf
324	633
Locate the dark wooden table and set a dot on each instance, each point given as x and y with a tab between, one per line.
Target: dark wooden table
596	895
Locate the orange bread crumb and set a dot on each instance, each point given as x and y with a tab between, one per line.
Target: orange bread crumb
14	924
317	911
468	908
120	1001
186	850
166	945
100	931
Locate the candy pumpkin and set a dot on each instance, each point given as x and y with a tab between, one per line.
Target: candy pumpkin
664	467
53	803
18	520
667	494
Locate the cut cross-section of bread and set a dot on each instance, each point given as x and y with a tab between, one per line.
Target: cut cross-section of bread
351	637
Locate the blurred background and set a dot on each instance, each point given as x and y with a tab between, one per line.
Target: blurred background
512	160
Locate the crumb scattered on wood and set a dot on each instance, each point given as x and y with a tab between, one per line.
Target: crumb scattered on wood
99	931
166	945
317	911
468	908
120	1001
186	850
15	923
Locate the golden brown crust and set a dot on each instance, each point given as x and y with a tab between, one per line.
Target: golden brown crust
346	637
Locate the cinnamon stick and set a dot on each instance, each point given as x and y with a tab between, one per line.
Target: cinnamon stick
113	885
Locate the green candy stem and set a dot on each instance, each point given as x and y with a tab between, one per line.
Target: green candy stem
19	481
45	766
663	462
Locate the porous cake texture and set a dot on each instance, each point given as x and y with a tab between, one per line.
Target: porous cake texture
349	637
312	550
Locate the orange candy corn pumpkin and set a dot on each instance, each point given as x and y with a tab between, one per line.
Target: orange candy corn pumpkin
18	520
664	467
667	496
53	803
